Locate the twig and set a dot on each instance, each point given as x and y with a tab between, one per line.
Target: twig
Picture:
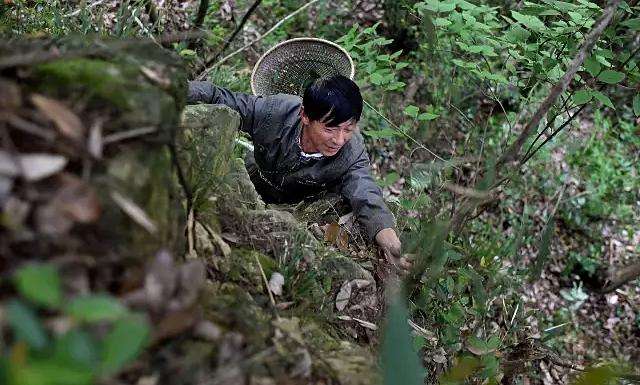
395	126
592	37
92	5
266	284
202	13
119	136
228	41
203	75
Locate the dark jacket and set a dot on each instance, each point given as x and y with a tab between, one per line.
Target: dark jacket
278	169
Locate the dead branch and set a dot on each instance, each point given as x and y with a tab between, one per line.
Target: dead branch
202	12
203	75
228	41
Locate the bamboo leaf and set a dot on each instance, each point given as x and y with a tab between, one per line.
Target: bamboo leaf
544	250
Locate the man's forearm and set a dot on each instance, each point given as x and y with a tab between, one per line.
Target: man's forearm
201	92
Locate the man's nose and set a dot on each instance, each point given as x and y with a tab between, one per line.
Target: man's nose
338	138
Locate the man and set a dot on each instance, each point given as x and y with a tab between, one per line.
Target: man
305	146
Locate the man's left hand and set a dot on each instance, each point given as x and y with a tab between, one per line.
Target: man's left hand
390	244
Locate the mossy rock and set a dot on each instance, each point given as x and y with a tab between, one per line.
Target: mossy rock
232	307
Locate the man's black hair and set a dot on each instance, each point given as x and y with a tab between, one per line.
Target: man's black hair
333	100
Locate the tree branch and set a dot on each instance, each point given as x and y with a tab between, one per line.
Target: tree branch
203	75
513	152
202	13
227	42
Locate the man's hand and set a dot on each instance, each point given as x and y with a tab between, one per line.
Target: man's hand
391	246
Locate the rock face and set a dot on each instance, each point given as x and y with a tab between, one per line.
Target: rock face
244	243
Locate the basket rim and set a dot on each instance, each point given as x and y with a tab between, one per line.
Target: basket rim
297	39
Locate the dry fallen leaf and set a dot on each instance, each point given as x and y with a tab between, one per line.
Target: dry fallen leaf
156	77
275	283
337	236
134	212
33	167
94	143
66	120
342	299
77	200
74	201
207	330
10	97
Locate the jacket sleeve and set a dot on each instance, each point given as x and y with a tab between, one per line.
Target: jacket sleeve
365	197
249	107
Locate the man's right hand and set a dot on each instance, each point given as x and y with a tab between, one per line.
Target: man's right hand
391	246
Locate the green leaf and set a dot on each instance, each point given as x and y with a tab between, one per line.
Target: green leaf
123	344
39	284
188	53
94	308
611	77
481	347
50	372
442	22
592	66
531	22
589	4
596	376
380	134
398	359
427	116
633	24
582	97
411	111
26	326
376	78
561	5
604	99
517	34
636	104
77	346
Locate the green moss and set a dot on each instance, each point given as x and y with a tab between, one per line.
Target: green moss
122	87
233	308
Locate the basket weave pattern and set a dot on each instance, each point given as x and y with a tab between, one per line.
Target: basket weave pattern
291	66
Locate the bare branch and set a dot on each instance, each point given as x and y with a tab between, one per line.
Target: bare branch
203	75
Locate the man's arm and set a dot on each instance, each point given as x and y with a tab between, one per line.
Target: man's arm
365	197
366	201
248	106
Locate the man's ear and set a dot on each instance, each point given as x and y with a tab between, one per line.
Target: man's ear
304	117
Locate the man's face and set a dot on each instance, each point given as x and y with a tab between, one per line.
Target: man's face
327	139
